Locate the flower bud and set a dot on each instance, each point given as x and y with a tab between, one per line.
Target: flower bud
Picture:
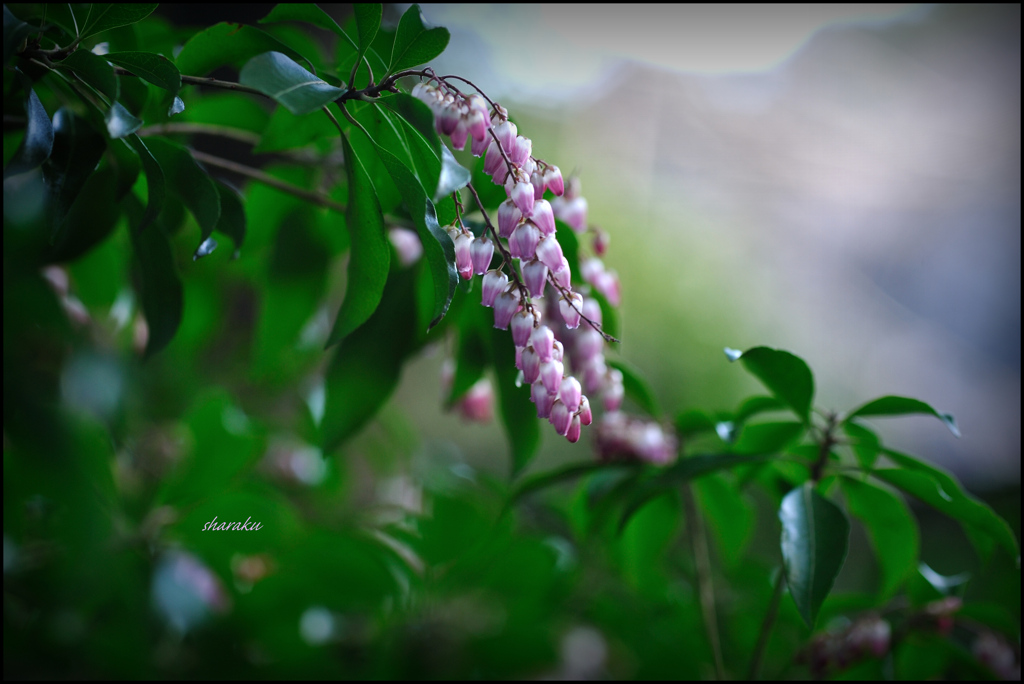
562	276
570	309
589	344
586	416
522	195
592	310
557	351
523	243
595	375
570	393
506	133
477	124
478	104
553	180
535	276
573	433
463	255
477	405
493	160
460	135
448	121
543	217
614	392
528	167
601	239
494	282
407	245
543	340
560	417
550	252
573	212
551	375
505	307
544	401
508	218
607	283
522	327
479	147
520	152
537	181
591	270
481	252
531	365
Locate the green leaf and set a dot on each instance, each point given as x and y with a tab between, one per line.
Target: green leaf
864	443
939	490
232	215
285	131
103	16
755	405
636	387
367	364
94	70
77	149
90	218
693	422
154	68
563	474
227	44
161	297
683	470
767	438
786	376
120	122
518	414
15	31
278	76
414	43
154	181
730	516
230	110
38	141
815	539
190	184
368	16
891	527
492	196
453	176
472	356
371	255
900	406
305	12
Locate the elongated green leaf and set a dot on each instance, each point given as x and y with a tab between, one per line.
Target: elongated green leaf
891	527
90	218
565	474
120	122
755	405
414	43
901	406
453	176
190	184
815	540
155	186
366	366
371	256
683	470
636	387
278	76
227	45
94	70
941	491
786	376
161	297
472	356
518	414
306	12
864	443
15	31
730	516
232	215
77	149
38	141
154	68
103	16
693	422
767	438
368	16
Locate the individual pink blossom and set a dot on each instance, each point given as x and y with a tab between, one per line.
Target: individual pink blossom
573	433
591	269
479	147
553	180
592	310
570	309
543	217
557	351
550	252
601	239
543	340
522	327
535	275
537	181
585	414
407	245
562	276
589	344
571	393
494	282
493	159
481	252
560	417
477	404
508	218
540	397
531	365
551	373
614	391
521	195
505	306
607	283
506	133
573	212
595	375
520	152
523	242
463	255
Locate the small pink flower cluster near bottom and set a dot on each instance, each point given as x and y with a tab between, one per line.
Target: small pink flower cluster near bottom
834	651
622	437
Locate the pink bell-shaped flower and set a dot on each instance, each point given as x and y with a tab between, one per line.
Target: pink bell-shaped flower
585	414
531	365
543	216
571	393
589	344
540	397
614	392
570	309
505	306
479	147
573	433
522	327
560	417
522	195
521	150
553	180
463	255
535	276
592	310
537	181
494	282
551	373
508	218
523	242
506	133
460	135
550	252
543	340
562	275
493	159
481	252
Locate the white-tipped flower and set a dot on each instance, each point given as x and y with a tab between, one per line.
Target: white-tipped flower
543	340
463	255
493	159
571	393
481	252
508	218
586	415
562	276
539	395
494	283
522	195
573	433
553	180
550	252
570	309
522	327
521	150
506	133
560	417
535	276
543	216
505	306
531	365
551	373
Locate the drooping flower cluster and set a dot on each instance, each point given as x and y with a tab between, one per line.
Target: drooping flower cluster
537	300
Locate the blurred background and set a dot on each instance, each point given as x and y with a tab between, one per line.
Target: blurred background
842	182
